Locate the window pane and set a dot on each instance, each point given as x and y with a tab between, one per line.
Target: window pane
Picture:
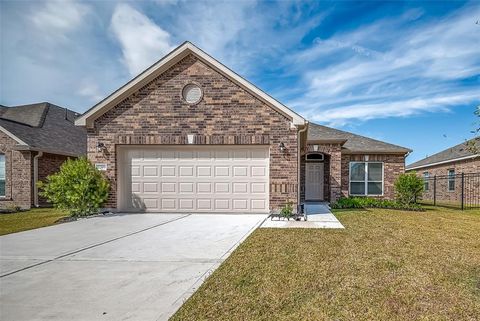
451	185
357	172
375	171
2	172
357	188
2	187
374	188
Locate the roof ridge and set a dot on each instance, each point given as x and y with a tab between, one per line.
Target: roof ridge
443	151
350	133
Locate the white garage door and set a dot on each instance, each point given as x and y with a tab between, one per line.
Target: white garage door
194	179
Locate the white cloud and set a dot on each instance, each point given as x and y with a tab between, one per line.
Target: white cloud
418	69
56	17
142	41
90	90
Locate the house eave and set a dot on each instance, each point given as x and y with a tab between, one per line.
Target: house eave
443	162
373	152
45	150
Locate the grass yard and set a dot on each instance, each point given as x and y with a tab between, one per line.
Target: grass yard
386	265
34	218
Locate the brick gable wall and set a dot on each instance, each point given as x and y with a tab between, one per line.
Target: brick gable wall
227	114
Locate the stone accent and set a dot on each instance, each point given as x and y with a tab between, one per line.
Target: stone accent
393	166
227	114
18	175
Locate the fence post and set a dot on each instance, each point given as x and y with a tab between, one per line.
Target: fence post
434	190
463	191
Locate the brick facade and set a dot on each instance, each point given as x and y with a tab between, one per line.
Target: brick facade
47	165
18	175
332	168
393	166
443	194
337	167
226	115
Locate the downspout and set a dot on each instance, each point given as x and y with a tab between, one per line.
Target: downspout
35	178
299	158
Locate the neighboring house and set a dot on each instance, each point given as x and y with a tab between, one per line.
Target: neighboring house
446	166
34	141
188	134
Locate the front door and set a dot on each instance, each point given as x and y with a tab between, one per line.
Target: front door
314	181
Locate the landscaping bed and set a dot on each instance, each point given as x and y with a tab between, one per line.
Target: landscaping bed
370	202
386	265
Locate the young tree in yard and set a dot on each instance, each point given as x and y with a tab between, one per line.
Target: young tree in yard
408	188
78	187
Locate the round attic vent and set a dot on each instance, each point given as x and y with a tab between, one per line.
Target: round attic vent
192	93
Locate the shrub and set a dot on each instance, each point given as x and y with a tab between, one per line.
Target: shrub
408	188
369	202
78	188
287	210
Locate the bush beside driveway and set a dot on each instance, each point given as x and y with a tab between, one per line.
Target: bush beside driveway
386	265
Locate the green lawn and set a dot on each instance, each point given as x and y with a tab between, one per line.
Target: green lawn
34	218
386	265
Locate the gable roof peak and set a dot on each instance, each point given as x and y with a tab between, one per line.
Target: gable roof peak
163	65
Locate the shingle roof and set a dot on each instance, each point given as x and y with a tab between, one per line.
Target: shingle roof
353	143
449	154
45	127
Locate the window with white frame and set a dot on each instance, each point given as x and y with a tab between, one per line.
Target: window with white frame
2	175
366	178
451	180
426	176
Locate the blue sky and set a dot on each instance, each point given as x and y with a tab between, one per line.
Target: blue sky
404	72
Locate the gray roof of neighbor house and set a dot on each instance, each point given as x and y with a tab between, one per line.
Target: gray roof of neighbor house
45	127
351	142
449	154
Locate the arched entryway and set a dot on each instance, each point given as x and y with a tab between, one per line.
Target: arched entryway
316	164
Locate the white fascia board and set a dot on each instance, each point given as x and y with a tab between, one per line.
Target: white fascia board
168	61
443	162
9	134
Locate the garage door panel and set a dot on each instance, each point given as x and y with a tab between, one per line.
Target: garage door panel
169	187
197	178
185	171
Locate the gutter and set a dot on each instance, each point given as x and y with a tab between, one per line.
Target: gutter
35	178
299	156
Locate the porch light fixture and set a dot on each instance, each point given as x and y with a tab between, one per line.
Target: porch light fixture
101	147
282	147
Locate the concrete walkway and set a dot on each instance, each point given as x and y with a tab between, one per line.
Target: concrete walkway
318	216
122	267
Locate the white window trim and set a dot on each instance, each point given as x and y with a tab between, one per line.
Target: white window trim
426	181
5	174
450	179
366	180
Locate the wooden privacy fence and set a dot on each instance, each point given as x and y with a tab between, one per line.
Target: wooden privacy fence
460	190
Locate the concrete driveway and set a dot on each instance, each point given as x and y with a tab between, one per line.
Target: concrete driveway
122	267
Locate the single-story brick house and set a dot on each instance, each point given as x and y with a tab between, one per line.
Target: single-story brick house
189	134
34	141
447	165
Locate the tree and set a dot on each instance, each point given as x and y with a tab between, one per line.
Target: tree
78	187
408	188
473	145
